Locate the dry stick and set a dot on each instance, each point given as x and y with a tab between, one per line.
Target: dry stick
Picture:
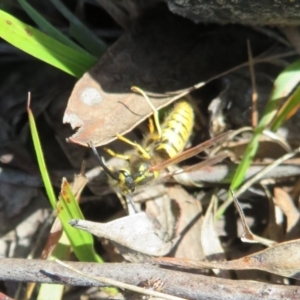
272	34
253	84
181	284
122	285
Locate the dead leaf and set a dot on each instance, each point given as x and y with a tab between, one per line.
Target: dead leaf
248	236
217	118
282	259
134	236
159	205
161	53
284	201
188	224
275	228
211	244
116	113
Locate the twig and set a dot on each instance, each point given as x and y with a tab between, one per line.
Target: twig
122	285
180	284
253	84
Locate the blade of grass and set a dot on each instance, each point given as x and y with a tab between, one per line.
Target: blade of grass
80	32
283	86
287	81
43	47
82	242
67	209
40	157
289	108
47	27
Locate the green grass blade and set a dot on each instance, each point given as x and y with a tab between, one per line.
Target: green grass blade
82	242
289	108
283	86
286	81
43	47
80	32
47	27
55	290
40	159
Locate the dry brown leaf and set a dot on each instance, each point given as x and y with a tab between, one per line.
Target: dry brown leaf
161	53
211	244
274	229
159	205
101	115
282	259
247	235
188	224
284	201
135	236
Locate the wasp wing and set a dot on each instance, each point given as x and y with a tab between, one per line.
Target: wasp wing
190	152
208	162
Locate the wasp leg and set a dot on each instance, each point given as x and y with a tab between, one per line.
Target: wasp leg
151	126
155	111
118	155
156	121
143	152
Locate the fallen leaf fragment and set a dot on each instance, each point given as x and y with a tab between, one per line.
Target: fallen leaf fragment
248	236
282	259
135	236
284	201
211	244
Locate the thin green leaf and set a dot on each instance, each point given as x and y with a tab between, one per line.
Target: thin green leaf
283	86
44	47
82	242
40	158
80	32
67	207
286	81
47	27
289	108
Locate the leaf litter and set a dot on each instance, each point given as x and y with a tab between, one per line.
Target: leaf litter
181	221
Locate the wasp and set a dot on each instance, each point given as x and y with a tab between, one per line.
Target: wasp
162	147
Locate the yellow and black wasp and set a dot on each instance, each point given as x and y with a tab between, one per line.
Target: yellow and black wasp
162	147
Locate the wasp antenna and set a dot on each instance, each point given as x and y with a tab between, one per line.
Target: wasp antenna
103	164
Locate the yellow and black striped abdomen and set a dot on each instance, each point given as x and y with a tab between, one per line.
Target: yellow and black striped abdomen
176	130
